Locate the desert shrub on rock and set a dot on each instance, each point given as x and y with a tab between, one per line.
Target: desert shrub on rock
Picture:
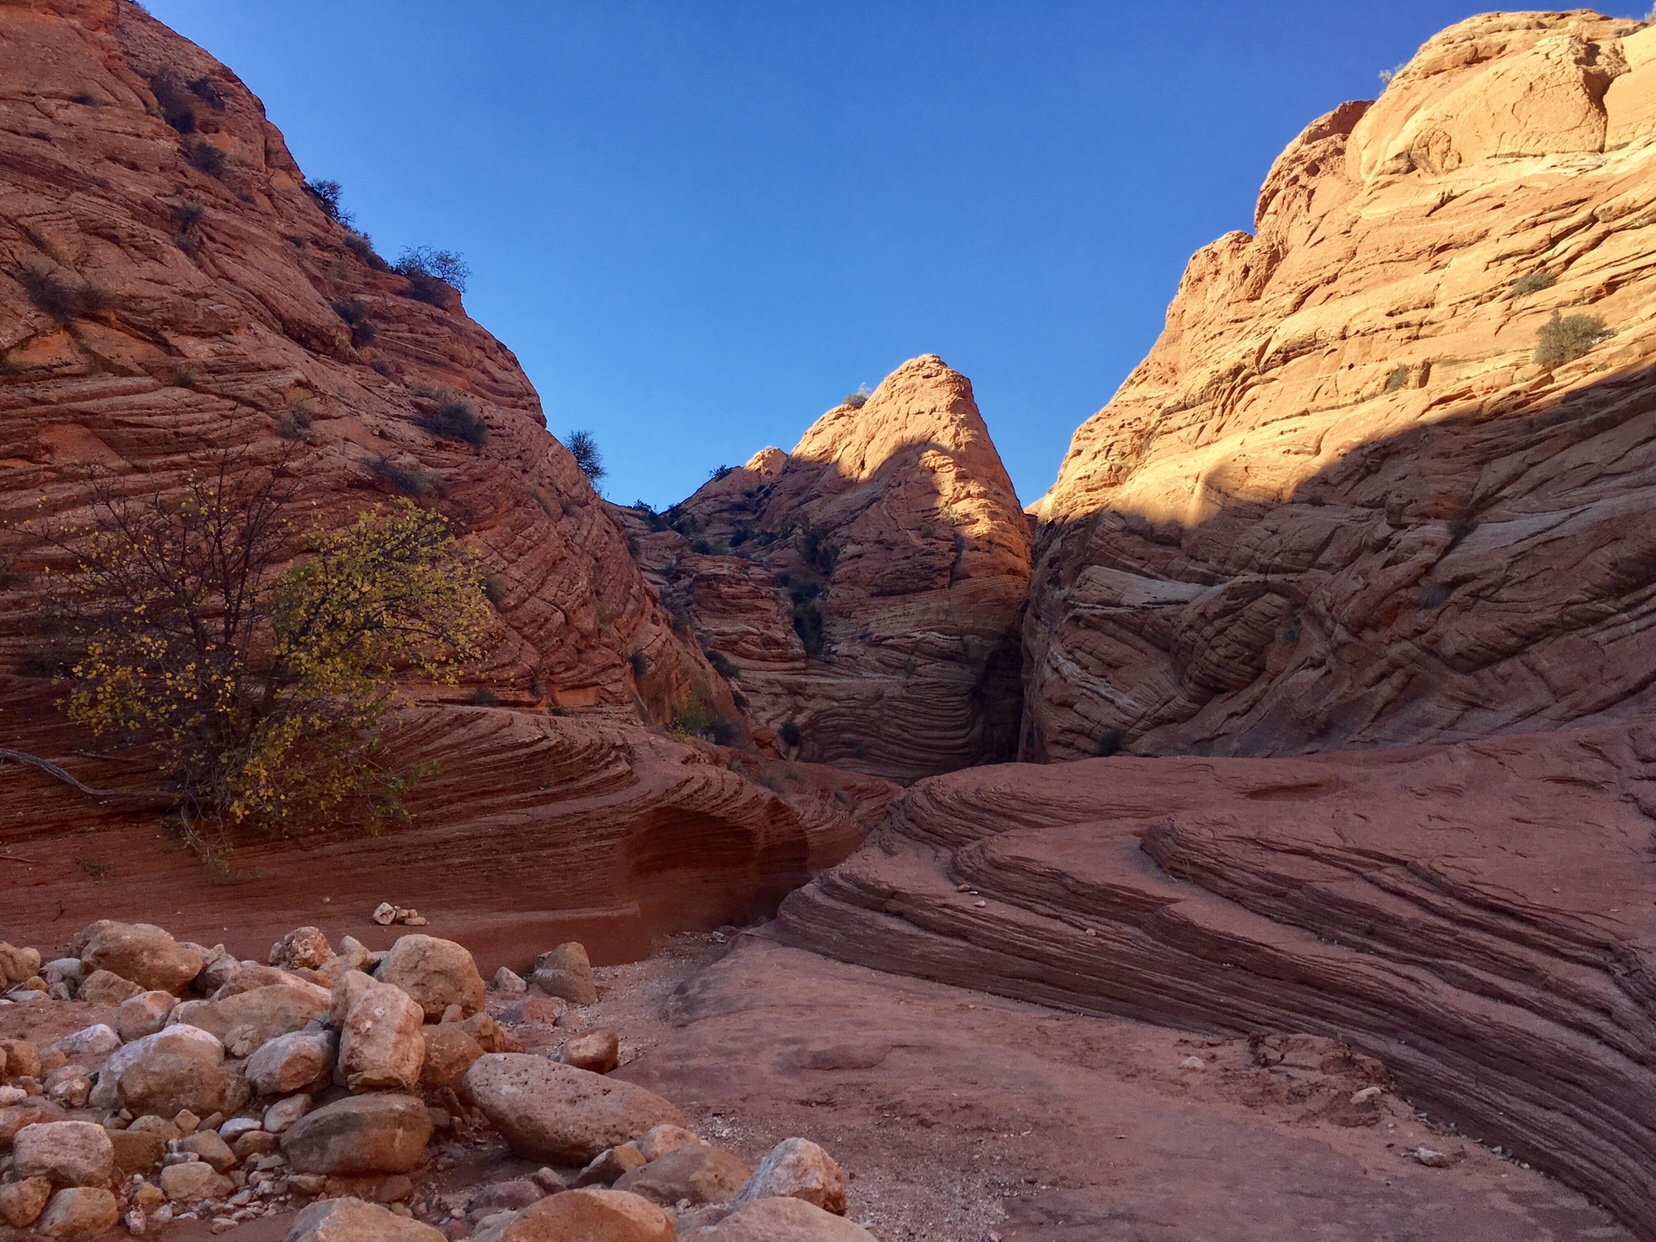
263	687
1564	338
583	447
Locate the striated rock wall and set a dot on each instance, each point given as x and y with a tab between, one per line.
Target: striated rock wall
152	311
1476	916
864	588
532	830
168	290
1339	504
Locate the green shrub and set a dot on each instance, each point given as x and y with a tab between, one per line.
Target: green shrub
584	449
294	422
175	101
432	275
790	734
207	158
361	245
700	717
483	697
1533	282
1398	378
1564	338
457	419
859	398
328	197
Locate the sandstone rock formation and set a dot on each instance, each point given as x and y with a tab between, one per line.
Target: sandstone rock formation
862	591
1476	916
1340	504
169	288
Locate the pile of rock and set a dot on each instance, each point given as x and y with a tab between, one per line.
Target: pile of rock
222	1090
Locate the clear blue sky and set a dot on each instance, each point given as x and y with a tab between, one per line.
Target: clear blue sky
699	223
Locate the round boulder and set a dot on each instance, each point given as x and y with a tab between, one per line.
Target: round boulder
781	1220
590	1215
181	1067
560	1114
797	1168
69	1153
436	973
360	1136
352	1220
697	1172
141	952
79	1212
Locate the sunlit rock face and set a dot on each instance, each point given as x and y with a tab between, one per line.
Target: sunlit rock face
1340	504
864	588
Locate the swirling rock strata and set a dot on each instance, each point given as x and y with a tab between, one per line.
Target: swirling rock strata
864	588
533	830
1477	916
1340	503
168	289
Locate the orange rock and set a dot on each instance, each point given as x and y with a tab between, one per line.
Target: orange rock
865	586
1339	504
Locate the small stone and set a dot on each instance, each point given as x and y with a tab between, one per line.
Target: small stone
508	981
141	952
18	964
610	1215
281	1115
148	1196
22	1202
797	1168
769	1220
352	1220
549	1180
1365	1095
105	987
1193	1063
68	1153
695	1174
90	1041
298	1061
144	1014
255	1143
78	1212
380	1042
512	1196
303	948
547	1111
193	1182
598	1050
359	1136
22	1058
611	1164
659	1140
436	973
384	914
1429	1157
208	1147
185	1121
137	1151
567	972
233	1129
449	1053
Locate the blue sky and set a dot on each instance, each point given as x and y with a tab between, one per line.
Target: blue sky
701	223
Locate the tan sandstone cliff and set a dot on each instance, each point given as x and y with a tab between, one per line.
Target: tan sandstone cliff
863	589
1339	504
168	288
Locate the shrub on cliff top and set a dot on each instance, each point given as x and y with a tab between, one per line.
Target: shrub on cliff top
584	449
1564	338
455	418
432	275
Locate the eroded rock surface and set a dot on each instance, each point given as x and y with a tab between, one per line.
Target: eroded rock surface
1476	916
1339	504
863	589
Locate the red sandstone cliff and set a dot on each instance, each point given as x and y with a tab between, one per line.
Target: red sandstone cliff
169	288
864	588
1339	504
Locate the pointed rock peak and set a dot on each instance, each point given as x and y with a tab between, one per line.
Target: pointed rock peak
767	462
923	403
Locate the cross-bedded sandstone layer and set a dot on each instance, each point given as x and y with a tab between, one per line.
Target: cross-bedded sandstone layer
864	588
1340	503
1477	916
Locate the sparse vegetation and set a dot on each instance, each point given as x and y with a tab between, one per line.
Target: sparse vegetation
1388	76
263	689
494	587
207	158
1398	378
409	480
790	734
328	195
175	101
722	664
1109	742
584	449
295	421
700	717
638	663
818	554
1564	338
186	375
361	245
807	615
483	697
432	275
859	398
52	292
203	89
1533	282
356	316
456	418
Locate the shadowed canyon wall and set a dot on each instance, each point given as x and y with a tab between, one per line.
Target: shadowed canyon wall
1340	504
